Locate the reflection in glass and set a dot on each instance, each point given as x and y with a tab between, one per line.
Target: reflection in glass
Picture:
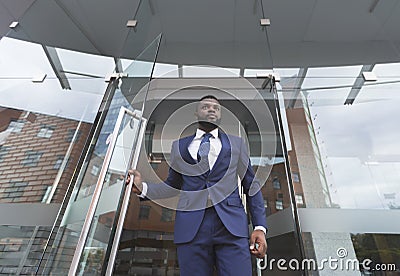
92	256
86	90
41	164
99	238
321	77
360	153
42	136
381	249
346	156
21	248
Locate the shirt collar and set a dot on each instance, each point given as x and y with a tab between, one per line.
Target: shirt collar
200	133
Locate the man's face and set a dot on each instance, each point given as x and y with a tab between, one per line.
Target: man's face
209	110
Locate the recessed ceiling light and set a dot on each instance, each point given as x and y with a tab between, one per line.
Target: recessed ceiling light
13	24
265	22
131	23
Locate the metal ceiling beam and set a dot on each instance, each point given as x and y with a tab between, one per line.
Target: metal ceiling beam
56	65
82	74
301	76
118	65
358	84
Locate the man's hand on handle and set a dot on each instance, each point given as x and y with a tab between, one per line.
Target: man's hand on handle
258	237
137	181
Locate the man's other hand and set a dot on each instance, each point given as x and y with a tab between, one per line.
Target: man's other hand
137	181
258	244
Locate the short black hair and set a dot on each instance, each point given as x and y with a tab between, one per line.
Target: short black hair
209	97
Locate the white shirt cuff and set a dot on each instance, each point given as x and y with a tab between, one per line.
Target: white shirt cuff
262	228
144	190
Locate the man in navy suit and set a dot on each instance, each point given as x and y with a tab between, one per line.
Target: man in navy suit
211	226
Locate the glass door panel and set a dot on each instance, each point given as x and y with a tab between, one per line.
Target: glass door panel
123	142
88	223
82	236
146	246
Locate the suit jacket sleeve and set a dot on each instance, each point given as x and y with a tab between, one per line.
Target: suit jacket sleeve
252	187
170	187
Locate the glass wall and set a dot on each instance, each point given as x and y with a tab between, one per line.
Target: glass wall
339	106
42	136
83	243
43	133
344	158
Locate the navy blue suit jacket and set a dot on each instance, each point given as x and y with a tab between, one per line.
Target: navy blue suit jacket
186	179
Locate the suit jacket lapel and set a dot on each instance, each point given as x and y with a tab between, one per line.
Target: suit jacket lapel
184	149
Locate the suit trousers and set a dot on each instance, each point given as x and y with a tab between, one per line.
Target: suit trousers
212	246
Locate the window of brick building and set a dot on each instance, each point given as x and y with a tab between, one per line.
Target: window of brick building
31	158
16	126
279	204
70	135
144	212
295	177
95	170
167	214
276	184
299	199
45	132
13	190
59	161
3	152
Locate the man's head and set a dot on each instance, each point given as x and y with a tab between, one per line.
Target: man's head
208	112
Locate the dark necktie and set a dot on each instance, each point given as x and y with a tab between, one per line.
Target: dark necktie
202	157
204	149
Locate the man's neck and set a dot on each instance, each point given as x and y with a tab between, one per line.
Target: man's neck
206	126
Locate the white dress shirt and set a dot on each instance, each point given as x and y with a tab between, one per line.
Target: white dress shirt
215	146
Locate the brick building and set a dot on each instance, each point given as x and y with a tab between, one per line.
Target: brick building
38	156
